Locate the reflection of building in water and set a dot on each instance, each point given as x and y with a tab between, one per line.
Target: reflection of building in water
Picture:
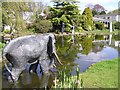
72	38
117	43
97	48
112	42
107	40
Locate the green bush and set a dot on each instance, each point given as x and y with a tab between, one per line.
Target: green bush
6	31
43	26
116	25
1	45
99	25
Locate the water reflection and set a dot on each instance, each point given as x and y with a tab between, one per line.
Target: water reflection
29	80
86	50
73	51
110	39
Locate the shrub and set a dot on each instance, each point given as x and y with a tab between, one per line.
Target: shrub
6	31
1	45
43	26
99	25
116	25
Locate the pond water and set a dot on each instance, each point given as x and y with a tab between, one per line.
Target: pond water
73	51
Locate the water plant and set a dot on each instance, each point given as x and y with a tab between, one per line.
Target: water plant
64	79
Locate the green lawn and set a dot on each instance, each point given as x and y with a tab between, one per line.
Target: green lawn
101	75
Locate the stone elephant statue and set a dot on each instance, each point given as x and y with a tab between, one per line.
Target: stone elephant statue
30	49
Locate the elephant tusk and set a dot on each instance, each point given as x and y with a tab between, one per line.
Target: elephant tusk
58	58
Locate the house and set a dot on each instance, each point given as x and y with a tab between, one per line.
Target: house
113	17
107	19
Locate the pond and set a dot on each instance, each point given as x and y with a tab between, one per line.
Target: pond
73	51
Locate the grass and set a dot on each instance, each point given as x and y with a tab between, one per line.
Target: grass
102	75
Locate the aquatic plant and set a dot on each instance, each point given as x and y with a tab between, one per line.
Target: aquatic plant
64	79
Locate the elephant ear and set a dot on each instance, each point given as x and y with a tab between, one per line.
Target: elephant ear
50	47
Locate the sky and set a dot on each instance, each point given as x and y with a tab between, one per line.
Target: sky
109	5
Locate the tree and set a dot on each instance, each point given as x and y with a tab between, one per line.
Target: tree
99	8
88	19
94	12
103	12
43	26
115	11
64	12
12	14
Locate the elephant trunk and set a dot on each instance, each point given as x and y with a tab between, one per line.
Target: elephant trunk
57	58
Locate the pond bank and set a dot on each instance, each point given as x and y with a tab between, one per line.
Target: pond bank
96	32
101	75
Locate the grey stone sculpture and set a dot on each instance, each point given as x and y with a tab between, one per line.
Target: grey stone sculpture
30	49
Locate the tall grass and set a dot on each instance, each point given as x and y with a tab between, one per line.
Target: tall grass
66	80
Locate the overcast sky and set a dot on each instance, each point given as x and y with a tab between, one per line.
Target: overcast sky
107	4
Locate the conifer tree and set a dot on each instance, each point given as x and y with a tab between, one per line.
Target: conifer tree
88	22
64	11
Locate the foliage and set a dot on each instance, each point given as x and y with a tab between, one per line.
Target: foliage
102	75
6	31
86	44
114	11
12	14
99	8
64	12
99	25
66	48
88	19
43	26
17	15
66	80
116	25
102	12
94	12
1	45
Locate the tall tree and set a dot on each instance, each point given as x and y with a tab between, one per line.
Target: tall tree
12	14
64	11
99	8
88	22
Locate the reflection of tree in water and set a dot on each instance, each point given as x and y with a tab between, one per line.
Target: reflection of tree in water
30	80
97	47
99	37
86	43
116	37
67	51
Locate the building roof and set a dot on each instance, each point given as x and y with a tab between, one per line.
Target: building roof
105	15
